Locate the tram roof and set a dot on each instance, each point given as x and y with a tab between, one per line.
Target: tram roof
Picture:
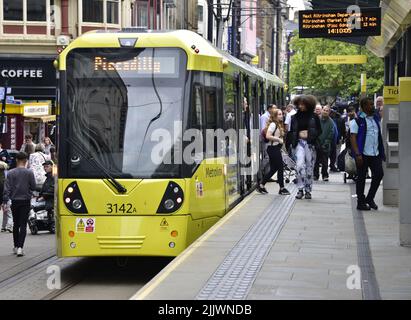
209	58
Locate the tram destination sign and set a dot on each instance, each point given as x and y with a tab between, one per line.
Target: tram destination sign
329	23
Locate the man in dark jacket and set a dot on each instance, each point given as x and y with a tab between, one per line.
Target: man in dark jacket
339	139
325	140
47	190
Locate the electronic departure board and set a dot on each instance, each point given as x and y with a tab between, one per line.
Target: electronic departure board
137	65
329	23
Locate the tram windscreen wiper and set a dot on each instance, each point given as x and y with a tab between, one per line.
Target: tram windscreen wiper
117	185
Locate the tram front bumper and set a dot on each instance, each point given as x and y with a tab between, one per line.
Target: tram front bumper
79	236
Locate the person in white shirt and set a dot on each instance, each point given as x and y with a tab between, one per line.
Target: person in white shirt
266	115
275	136
290	112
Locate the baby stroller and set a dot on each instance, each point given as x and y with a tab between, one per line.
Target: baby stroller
290	167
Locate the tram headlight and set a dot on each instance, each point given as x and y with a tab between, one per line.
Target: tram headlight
169	204
77	204
172	199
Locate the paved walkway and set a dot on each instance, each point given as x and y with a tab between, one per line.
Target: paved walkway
37	248
309	259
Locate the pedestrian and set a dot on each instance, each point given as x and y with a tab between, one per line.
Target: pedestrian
4	155
275	136
318	110
338	138
19	186
53	154
266	115
47	190
368	150
324	148
47	145
7	221
379	106
290	112
287	123
28	140
305	129
36	161
265	163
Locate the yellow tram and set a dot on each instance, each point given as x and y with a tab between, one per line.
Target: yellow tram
126	100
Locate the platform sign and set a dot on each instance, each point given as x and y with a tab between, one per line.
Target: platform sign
329	23
340	59
391	95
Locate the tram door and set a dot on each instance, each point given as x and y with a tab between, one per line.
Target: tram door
231	116
244	137
254	131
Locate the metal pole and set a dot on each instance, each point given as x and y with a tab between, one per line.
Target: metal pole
234	29
210	20
277	44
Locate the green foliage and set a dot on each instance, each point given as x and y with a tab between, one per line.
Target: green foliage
332	79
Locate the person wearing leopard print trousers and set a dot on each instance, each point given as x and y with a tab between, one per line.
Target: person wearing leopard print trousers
305	130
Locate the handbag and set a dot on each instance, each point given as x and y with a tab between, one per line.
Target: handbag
350	166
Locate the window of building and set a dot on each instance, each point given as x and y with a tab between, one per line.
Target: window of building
142	14
200	10
13	10
95	10
36	10
112	12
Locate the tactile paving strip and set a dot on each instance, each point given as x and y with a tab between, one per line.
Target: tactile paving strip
369	283
234	277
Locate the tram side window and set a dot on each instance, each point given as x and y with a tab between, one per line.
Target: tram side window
229	102
197	110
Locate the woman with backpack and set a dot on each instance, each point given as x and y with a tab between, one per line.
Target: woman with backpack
36	161
274	134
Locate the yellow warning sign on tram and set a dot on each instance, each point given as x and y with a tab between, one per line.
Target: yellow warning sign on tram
342	59
164	223
80	225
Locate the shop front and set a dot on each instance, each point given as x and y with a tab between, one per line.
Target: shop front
29	86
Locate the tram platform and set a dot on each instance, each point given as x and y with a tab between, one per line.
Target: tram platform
276	247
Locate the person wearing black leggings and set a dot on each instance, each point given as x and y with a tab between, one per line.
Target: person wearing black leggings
275	135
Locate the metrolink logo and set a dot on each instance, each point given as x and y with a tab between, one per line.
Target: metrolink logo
192	147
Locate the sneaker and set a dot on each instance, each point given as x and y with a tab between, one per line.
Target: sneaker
3	229
20	252
300	194
9	230
284	192
308	195
326	179
363	207
15	250
372	204
262	190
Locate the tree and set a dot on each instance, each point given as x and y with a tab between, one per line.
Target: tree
332	79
